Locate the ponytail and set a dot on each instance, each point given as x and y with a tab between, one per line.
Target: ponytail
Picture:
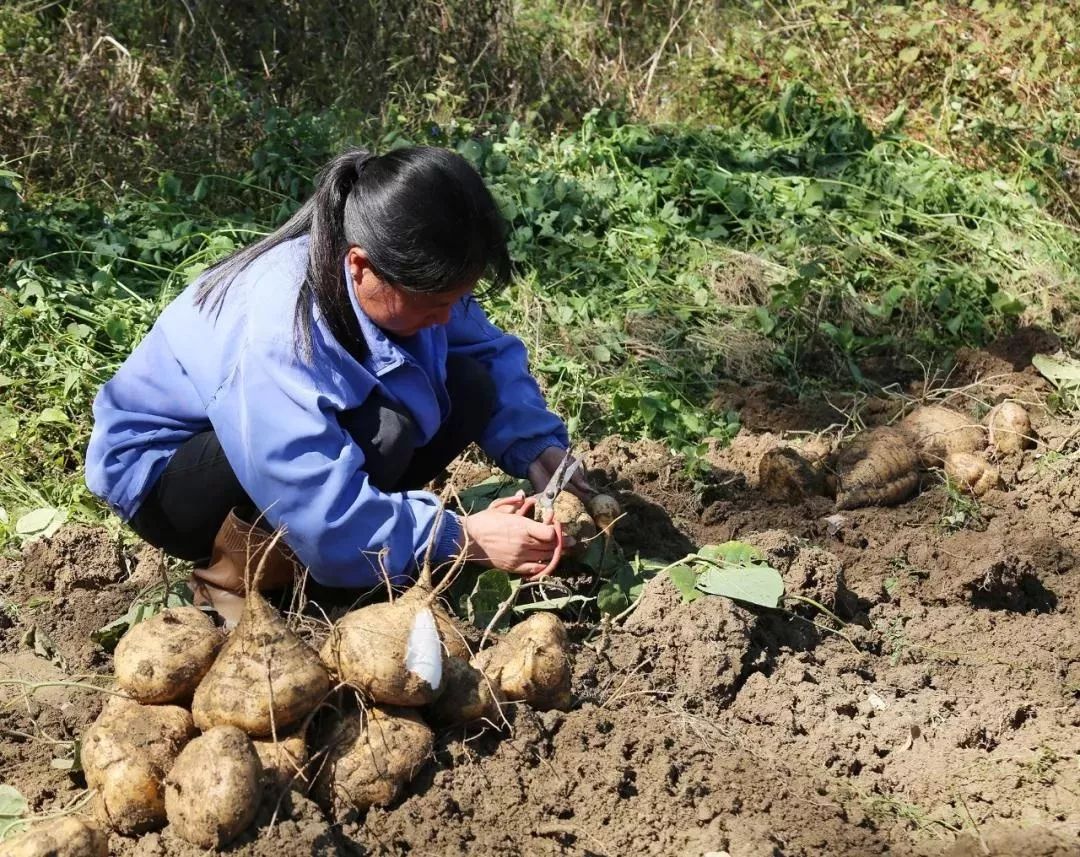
422	215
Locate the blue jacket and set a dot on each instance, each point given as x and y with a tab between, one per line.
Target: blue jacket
275	415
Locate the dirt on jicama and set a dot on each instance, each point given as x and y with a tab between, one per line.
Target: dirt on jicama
939	719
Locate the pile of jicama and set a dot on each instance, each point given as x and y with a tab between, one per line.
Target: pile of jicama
203	726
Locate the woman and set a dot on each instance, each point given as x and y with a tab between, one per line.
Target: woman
318	378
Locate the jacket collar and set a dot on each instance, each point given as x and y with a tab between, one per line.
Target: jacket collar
383	353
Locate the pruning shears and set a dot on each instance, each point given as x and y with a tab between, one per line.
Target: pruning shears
544	503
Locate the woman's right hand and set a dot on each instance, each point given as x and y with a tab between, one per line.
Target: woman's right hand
515	543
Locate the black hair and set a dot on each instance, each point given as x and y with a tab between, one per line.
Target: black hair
422	215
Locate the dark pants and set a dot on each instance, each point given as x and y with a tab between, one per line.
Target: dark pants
190	500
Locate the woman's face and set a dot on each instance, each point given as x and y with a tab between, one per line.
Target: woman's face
395	311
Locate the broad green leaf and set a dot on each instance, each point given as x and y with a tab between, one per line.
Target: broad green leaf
53	415
754	584
684	578
909	55
10	826
736	553
37	521
492	589
12	803
479	497
1062	372
611	600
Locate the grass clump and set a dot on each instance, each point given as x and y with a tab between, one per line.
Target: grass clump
651	261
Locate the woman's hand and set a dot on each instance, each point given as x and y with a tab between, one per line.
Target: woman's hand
500	538
547	462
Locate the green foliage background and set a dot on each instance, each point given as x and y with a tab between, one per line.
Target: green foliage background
804	192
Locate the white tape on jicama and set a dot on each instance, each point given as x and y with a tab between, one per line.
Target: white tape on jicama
424	653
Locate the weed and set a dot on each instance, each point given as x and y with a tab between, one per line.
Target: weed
888	807
960	511
897	643
1040	769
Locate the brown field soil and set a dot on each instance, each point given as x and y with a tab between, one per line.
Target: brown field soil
942	719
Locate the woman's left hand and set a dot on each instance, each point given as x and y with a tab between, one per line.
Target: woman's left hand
547	462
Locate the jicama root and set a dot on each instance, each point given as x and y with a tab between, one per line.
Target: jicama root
283	762
213	790
576	522
938	432
126	754
469	695
1010	428
391	651
971	472
371	756
65	837
164	658
265	680
531	663
605	510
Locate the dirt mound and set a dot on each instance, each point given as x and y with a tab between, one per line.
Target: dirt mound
691	655
64	588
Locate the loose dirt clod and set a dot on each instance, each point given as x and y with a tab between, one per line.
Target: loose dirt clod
164	658
468	695
785	476
1009	427
126	754
371	756
971	472
531	663
65	837
265	680
392	651
878	468
938	432
213	790
284	762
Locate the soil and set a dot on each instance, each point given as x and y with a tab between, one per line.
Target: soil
939	717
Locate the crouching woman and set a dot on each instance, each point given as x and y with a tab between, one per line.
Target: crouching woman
319	378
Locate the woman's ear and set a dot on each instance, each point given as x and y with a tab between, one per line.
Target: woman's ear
357	261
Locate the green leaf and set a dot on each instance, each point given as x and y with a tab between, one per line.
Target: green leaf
909	55
480	496
53	415
117	328
684	578
492	589
10	826
611	600
1062	372
754	584
12	803
42	521
736	553
141	609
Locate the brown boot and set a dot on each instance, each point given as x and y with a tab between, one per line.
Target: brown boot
238	549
